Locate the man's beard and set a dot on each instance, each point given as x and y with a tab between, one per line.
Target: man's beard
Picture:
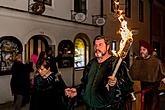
144	56
99	54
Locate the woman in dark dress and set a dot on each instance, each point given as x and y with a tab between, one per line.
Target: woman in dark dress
48	90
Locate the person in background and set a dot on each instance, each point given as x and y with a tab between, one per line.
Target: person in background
49	55
99	89
48	89
149	70
53	60
41	57
34	58
32	65
20	83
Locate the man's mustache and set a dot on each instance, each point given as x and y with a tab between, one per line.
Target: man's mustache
98	50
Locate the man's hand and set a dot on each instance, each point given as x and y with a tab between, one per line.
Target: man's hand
112	81
71	92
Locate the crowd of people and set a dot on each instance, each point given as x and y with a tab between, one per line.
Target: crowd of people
40	83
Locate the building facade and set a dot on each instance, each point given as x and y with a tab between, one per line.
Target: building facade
29	28
68	28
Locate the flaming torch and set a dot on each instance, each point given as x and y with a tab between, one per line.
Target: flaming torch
125	42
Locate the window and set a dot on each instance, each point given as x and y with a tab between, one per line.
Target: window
80	6
128	8
141	9
35	45
65	54
9	47
124	5
81	51
79	55
47	2
114	7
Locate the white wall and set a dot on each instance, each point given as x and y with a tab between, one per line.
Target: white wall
60	8
5	92
23	26
17	4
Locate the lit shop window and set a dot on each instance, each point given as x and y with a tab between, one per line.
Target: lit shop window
65	54
9	47
80	53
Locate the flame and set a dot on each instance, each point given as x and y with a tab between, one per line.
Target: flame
126	34
125	42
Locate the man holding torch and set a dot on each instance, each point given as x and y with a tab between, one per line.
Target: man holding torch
98	74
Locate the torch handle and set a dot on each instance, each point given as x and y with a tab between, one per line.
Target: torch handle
117	67
122	56
114	72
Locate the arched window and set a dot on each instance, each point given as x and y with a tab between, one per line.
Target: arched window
65	54
35	45
9	47
81	51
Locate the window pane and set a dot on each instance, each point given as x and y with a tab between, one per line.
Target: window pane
80	6
79	57
141	9
128	8
65	54
9	47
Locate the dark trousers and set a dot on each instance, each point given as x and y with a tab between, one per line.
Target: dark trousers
18	99
152	101
151	97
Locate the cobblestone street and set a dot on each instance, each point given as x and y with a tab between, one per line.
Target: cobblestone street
9	106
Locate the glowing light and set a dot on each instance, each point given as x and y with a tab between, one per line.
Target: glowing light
125	33
125	42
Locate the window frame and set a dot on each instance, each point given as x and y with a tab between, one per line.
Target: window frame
80	6
141	10
87	46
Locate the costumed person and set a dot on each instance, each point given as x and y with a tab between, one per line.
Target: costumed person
48	89
97	74
149	70
20	83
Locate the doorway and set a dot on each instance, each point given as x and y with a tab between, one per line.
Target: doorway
35	45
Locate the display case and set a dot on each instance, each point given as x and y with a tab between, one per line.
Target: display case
9	47
65	54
